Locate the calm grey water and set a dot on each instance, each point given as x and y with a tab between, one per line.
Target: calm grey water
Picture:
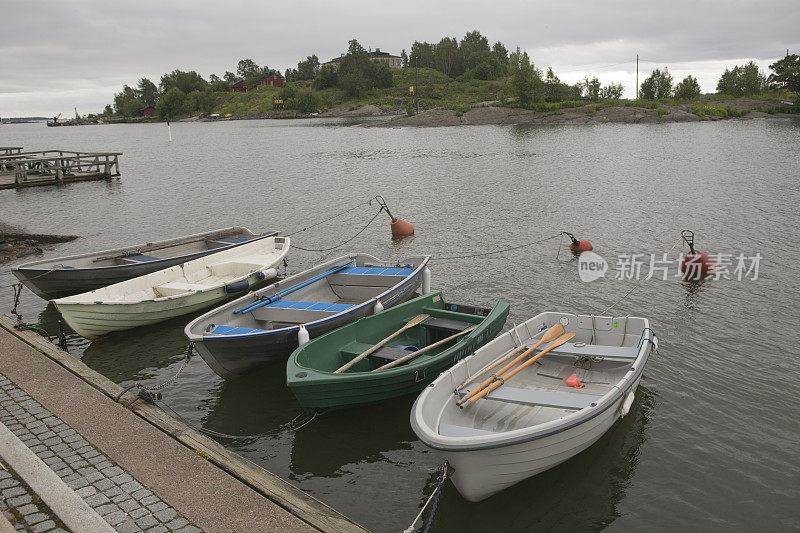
712	441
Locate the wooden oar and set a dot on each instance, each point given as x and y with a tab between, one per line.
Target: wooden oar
556	330
549	335
558	342
412	355
411	323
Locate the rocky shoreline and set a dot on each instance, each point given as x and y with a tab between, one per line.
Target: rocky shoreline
589	114
16	243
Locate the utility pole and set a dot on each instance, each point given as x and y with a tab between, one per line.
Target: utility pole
637	76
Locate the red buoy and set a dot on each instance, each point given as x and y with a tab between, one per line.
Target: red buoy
695	264
401	227
578	245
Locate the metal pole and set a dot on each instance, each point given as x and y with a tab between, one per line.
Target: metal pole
637	76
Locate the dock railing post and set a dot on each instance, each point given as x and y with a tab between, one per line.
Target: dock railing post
59	170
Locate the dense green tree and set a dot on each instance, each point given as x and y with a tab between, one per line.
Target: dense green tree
229	77
688	89
108	111
308	69
422	55
744	80
327	77
171	104
474	49
447	58
353	70
217	84
500	52
526	81
554	89
612	91
380	75
590	88
306	101
247	67
202	101
148	92
786	74
127	103
404	58
185	81
657	85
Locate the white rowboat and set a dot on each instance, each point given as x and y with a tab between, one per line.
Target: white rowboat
174	291
534	421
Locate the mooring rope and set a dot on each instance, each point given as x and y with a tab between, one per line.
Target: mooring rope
345	242
481	254
327	219
435	497
639	284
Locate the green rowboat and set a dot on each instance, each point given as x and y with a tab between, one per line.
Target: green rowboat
310	370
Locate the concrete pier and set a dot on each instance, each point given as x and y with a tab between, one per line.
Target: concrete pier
137	468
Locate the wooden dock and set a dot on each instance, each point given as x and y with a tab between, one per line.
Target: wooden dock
54	167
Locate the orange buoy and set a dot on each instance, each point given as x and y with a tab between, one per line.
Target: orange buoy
399	226
695	264
578	245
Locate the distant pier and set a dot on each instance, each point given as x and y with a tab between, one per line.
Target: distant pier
53	167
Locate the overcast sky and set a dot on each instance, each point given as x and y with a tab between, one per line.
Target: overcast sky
56	55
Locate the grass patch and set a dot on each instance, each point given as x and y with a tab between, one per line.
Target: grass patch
709	110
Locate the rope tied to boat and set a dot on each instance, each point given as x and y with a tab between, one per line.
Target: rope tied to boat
345	242
433	497
504	250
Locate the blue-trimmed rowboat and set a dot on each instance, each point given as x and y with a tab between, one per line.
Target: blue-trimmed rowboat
264	326
66	276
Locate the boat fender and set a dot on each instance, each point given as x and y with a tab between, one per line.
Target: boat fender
237	286
378	307
626	405
302	335
574	382
261	276
578	245
426	280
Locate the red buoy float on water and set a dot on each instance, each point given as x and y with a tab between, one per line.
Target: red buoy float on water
578	245
695	264
399	226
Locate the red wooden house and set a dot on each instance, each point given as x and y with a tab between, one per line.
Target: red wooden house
273	80
239	87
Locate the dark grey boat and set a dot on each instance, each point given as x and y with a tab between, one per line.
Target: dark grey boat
65	276
263	327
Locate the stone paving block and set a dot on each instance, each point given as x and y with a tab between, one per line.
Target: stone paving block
85	492
44	454
65	432
60	447
129	505
48	435
149	500
122	478
8	483
94	460
103	484
112	471
138	513
121	497
72	437
11	492
131	486
113	491
158	529
117	517
78	483
166	515
27	509
85	451
19	501
63	472
147	521
105	509
97	499
104	465
43	526
52	441
34	518
80	443
177	523
141	493
158	506
80	464
128	526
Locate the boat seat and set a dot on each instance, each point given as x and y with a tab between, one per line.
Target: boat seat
445	325
377	271
389	353
449	430
140	258
597	350
232	240
311	306
173	288
538	398
233	330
